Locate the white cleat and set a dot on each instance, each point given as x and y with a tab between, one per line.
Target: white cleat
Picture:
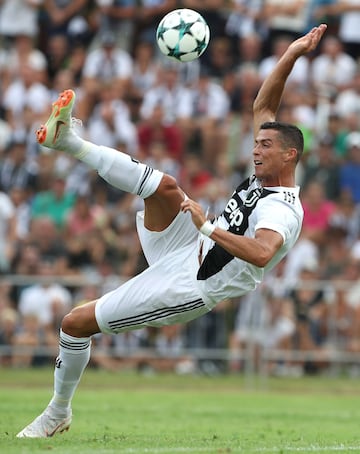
45	425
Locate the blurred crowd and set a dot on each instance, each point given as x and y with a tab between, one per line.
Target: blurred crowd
67	237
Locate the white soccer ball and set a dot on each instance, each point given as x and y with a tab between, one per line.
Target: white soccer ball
183	35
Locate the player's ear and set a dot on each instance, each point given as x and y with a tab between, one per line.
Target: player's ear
290	155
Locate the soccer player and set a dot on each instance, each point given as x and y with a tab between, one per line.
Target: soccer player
194	263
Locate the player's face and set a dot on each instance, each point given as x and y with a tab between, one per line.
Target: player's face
268	156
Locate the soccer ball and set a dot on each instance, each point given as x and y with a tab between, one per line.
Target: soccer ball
183	35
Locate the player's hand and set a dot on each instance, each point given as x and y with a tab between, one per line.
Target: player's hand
197	213
308	42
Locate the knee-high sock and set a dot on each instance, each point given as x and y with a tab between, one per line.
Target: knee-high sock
74	355
116	167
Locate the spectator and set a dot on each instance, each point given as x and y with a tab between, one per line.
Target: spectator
53	203
175	99
23	50
349	170
335	255
194	176
244	18
20	199
29	342
47	239
26	261
19	17
317	211
57	53
118	17
299	77
343	311
348	101
285	18
25	98
336	132
109	122
145	70
346	15
15	170
219	58
263	322
156	130
60	16
333	69
249	51
107	64
207	126
349	31
48	302
346	218
323	166
310	307
83	219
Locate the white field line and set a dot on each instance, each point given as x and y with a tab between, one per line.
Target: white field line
275	449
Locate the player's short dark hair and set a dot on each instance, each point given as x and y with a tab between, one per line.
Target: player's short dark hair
290	135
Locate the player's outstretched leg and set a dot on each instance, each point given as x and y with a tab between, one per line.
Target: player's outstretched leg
117	168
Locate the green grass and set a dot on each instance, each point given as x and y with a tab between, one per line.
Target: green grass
130	413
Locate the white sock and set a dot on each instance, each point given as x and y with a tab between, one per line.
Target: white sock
74	355
119	169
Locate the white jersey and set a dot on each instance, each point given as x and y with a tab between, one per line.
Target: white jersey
175	288
251	207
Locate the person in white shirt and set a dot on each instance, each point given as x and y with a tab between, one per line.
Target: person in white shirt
299	76
106	64
194	263
333	69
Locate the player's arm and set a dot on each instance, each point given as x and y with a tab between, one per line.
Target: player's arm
257	251
269	96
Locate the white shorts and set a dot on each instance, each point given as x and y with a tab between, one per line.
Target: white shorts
166	292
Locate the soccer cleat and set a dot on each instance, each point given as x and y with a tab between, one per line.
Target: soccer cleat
45	425
52	133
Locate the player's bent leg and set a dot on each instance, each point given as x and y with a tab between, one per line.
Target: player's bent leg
162	207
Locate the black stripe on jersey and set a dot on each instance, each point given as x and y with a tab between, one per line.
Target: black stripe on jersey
146	175
74	345
157	314
218	257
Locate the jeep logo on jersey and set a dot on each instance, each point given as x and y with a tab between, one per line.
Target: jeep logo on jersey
235	218
234	211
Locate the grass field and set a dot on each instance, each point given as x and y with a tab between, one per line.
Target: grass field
131	413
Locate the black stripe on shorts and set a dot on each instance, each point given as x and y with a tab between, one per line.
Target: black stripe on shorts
157	314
